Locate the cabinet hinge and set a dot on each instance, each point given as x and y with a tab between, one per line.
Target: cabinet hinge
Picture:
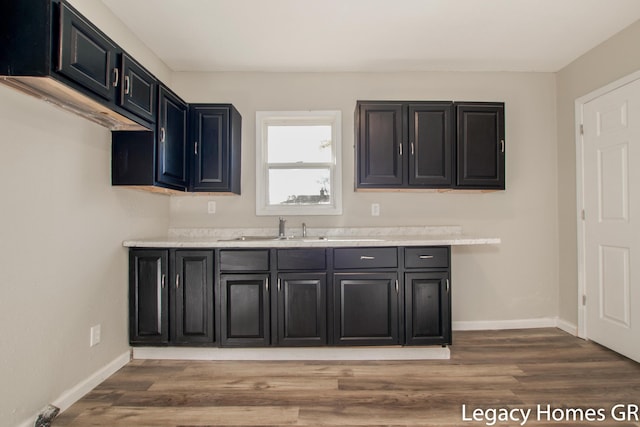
581	129
584	299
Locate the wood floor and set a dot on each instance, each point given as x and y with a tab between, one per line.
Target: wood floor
488	370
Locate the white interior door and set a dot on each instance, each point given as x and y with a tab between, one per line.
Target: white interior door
611	229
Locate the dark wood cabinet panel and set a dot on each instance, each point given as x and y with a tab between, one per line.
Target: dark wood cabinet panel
244	260
366	309
194	311
138	89
379	144
245	310
430	144
148	296
215	132
355	258
87	56
172	157
302	309
480	146
427	308
302	259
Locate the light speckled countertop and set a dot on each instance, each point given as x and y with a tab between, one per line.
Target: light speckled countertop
316	237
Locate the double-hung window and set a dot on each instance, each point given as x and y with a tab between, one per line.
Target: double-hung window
298	169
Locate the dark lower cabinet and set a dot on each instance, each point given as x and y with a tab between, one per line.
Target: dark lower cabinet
427	308
302	309
194	313
366	309
259	297
171	298
245	310
148	296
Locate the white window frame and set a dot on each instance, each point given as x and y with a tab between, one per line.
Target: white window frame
265	118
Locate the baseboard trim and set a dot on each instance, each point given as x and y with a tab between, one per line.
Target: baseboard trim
487	325
568	327
306	353
71	396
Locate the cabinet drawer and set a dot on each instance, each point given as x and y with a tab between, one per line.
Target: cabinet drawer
426	257
365	257
244	260
302	259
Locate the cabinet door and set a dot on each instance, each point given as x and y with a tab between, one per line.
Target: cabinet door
172	168
379	141
480	146
148	296
245	309
430	144
138	89
193	319
87	56
366	309
302	309
427	308
216	151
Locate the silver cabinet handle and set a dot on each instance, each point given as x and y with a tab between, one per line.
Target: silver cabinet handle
163	134
502	145
448	286
413	150
397	286
177	281
266	284
127	85
279	284
196	149
367	257
400	149
426	256
162	279
116	77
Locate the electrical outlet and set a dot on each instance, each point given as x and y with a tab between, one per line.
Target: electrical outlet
211	207
94	338
375	209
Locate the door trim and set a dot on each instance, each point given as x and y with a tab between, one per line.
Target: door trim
579	108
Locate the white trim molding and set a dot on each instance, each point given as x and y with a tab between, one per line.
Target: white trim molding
488	325
75	393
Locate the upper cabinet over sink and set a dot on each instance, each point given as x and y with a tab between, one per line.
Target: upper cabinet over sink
429	144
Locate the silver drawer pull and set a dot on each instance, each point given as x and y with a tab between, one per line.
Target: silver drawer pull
367	257
426	256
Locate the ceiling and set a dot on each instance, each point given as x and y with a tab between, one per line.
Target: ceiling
373	35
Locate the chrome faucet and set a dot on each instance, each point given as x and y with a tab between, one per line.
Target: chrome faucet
281	232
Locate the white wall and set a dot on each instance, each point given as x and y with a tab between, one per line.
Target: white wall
515	280
613	59
61	257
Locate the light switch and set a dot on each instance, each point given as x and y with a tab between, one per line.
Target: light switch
211	207
375	209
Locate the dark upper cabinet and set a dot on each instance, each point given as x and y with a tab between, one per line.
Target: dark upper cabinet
215	134
379	144
430	144
193	317
86	55
148	296
366	309
172	158
480	147
403	144
138	89
51	51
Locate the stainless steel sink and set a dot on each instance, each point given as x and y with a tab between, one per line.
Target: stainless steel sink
301	239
